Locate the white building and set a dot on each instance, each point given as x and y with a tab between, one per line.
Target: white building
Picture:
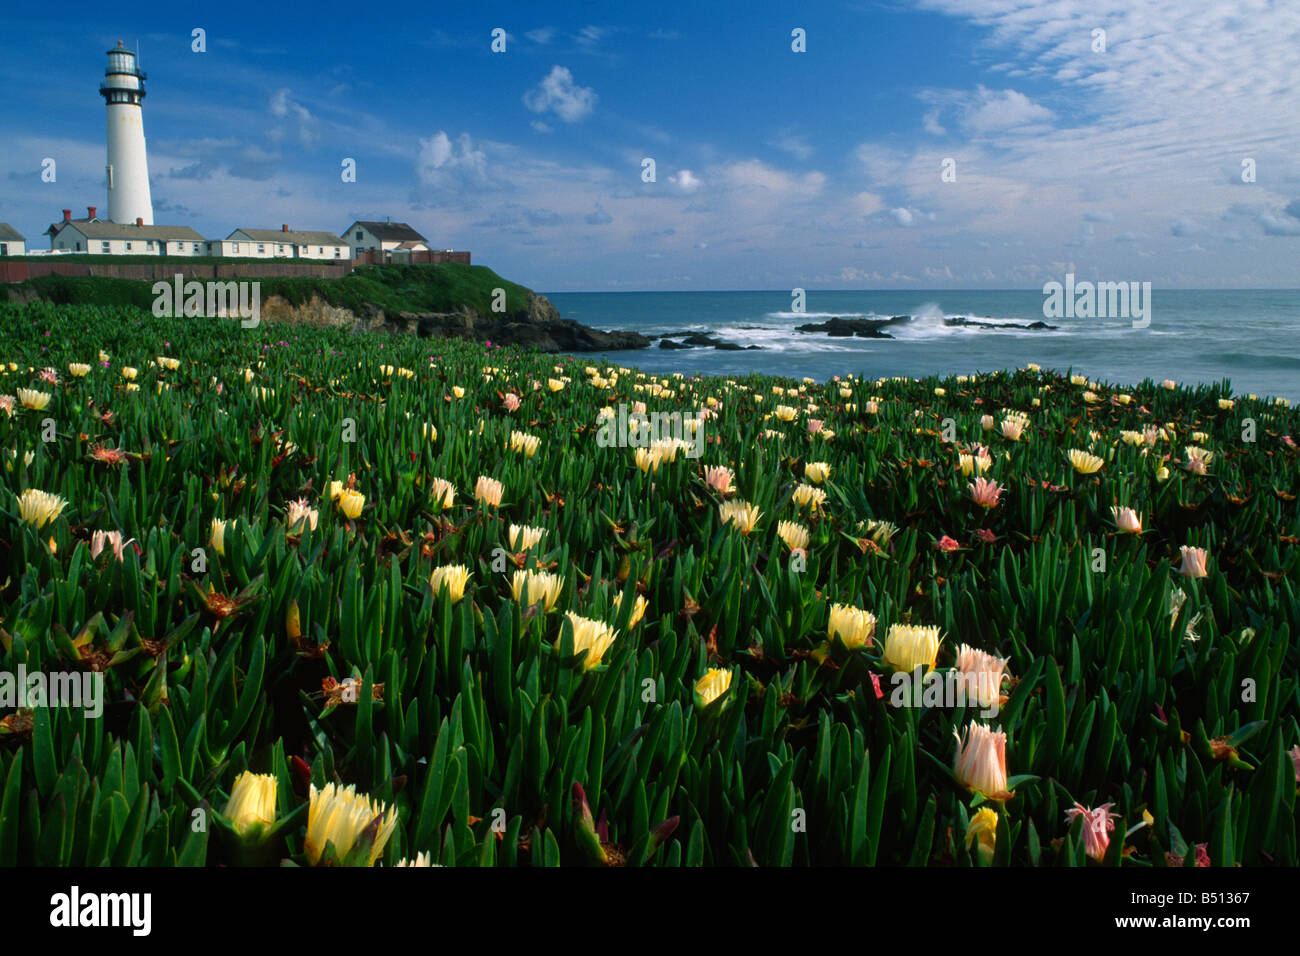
101	237
12	242
128	167
282	243
364	236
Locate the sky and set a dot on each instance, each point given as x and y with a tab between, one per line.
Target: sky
938	144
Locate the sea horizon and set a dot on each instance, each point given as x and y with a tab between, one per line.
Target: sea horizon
1189	339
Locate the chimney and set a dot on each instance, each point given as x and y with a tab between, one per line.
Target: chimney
284	227
91	211
139	221
67	215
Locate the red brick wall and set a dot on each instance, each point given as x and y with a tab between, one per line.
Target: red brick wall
377	257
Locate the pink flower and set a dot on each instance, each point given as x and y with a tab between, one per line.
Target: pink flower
112	539
1097	825
1127	520
875	683
719	478
980	763
1194	562
986	535
511	401
1288	441
1294	754
946	544
985	493
1202	856
814	425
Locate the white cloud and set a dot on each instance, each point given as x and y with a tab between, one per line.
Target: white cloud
557	93
542	35
442	162
902	216
685	180
992	112
931	123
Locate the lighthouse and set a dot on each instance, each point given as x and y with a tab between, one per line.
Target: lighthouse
128	168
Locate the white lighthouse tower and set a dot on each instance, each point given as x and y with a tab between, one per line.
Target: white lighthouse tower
128	169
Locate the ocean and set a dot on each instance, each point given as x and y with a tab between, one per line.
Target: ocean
1251	338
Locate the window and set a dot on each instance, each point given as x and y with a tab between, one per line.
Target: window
78	249
261	248
128	246
104	246
358	234
336	253
280	247
236	247
4	248
196	248
148	245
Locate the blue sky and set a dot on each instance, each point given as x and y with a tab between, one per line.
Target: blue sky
774	169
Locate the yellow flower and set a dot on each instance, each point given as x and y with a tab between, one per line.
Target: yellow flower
713	685
638	608
39	508
351	502
526	445
793	534
807	496
443	491
488	490
523	537
541	587
129	373
908	647
594	637
816	471
647	459
1226	403
31	398
554	384
740	513
1013	428
169	363
853	626
421	859
429	431
339	816
252	803
78	369
984	828
454	576
458	391
218	535
1084	463
785	413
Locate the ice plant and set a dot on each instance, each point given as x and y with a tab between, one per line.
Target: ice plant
443	492
817	471
1097	826
298	514
1012	428
1126	519
719	478
511	401
713	685
982	675
1195	562
741	514
39	508
347	820
980	762
853	626
594	637
983	827
110	539
793	534
251	807
638	608
351	502
524	444
488	490
541	587
908	646
453	576
808	496
524	537
985	493
217	535
129	373
1084	463
78	369
31	398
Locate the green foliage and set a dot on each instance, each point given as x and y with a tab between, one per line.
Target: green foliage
485	721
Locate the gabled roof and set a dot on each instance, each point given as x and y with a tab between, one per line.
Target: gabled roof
9	232
295	236
411	244
389	231
102	229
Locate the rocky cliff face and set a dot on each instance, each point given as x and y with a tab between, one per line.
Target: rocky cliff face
538	326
